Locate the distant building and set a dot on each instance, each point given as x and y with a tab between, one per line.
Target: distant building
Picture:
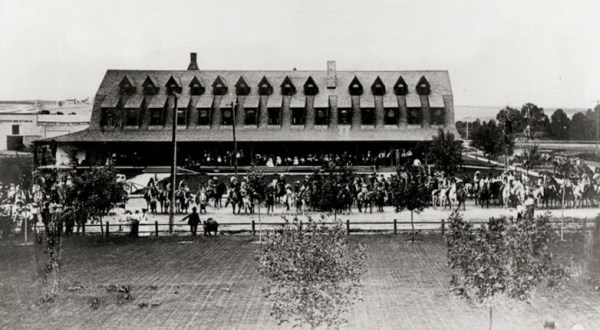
21	124
279	113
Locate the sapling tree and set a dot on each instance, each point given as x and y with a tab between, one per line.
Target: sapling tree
564	168
95	191
312	276
329	192
409	191
258	184
505	257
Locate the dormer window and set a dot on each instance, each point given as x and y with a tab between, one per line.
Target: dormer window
173	85
400	87
355	87
423	87
287	87
378	88
264	87
150	86
414	116
108	117
437	116
241	87
196	87
219	86
126	86
310	87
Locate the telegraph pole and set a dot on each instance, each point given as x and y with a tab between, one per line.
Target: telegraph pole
235	164
174	164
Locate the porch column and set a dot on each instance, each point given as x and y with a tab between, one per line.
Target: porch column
309	114
263	115
216	112
286	112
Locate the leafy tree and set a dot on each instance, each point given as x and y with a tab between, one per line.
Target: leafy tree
312	276
559	125
461	128
97	191
505	257
409	192
514	116
445	152
592	121
579	129
491	139
329	191
535	117
258	184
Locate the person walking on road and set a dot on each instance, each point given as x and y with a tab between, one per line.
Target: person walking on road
193	220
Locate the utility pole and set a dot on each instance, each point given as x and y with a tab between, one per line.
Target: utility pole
174	164
597	110
235	164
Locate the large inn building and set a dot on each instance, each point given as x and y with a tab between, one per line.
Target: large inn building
274	113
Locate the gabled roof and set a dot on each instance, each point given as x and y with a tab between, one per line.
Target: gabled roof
265	87
173	80
219	81
355	87
400	87
378	87
242	87
310	86
150	81
126	80
423	86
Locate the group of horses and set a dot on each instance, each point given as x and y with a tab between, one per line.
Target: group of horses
577	192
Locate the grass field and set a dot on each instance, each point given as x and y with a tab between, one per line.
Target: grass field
212	283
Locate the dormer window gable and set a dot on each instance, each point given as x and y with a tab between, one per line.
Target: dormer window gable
378	88
150	86
264	87
355	87
127	85
287	87
310	87
196	86
173	85
400	87
423	87
219	86
241	87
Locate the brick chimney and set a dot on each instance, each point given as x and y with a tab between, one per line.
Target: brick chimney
193	64
331	76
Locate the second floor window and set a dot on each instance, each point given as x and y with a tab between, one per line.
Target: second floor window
250	118
297	116
273	116
156	117
181	117
108	118
367	116
132	119
414	116
344	116
227	118
437	116
391	116
320	116
203	117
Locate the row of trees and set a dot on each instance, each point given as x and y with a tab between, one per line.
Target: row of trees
531	121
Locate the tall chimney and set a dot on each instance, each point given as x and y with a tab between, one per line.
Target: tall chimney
193	65
331	76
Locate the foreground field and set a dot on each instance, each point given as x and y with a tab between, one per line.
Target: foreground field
211	283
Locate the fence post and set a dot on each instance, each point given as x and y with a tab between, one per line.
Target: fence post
348	227
107	226
120	228
253	228
443	227
156	228
83	228
395	227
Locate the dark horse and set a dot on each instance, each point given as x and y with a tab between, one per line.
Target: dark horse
217	194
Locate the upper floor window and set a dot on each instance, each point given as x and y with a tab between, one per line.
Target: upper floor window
437	116
181	120
344	116
274	116
132	117
321	116
297	116
196	87
390	116
367	116
108	117
227	118
203	117
250	118
414	116
15	129
156	117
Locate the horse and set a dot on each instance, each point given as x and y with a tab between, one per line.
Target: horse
484	194
234	198
216	193
164	200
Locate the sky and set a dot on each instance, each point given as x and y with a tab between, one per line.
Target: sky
497	52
